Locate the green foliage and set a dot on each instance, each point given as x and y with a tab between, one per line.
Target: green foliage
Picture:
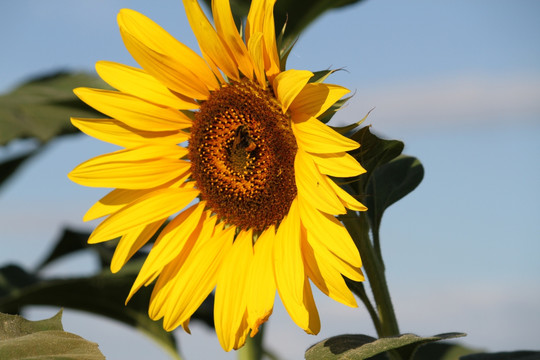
21	339
389	176
345	347
41	107
389	183
442	351
102	293
372	153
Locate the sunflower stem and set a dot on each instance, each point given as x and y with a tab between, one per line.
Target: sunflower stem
358	227
253	348
360	291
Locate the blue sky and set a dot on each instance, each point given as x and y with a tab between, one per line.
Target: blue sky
458	81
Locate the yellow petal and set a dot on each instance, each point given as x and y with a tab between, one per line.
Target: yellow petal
316	98
272	63
241	334
329	231
165	68
255	47
115	132
260	19
112	202
314	136
161	55
338	164
347	199
149	208
161	301
228	32
305	315
288	84
255	19
179	293
313	322
138	83
289	267
341	266
291	281
131	242
171	242
118	198
325	277
133	111
137	168
261	282
231	289
313	187
212	48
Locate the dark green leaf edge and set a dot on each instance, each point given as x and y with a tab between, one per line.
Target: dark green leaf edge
344	347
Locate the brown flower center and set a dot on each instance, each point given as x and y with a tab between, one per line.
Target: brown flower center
242	151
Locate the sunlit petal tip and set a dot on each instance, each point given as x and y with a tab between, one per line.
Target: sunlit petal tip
316	98
288	84
316	137
227	30
139	83
185	326
212	47
255	326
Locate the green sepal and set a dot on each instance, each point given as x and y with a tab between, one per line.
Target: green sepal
321	75
343	130
326	116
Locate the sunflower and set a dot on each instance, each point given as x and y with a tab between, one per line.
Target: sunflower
228	147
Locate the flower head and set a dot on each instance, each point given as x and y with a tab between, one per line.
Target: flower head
250	198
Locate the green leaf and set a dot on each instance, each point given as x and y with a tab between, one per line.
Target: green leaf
42	107
295	14
72	241
374	151
442	351
22	339
103	294
512	355
12	326
344	347
389	183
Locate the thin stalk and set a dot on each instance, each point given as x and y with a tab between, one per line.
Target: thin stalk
360	291
374	269
253	348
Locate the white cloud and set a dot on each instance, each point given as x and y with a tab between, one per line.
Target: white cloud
466	99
